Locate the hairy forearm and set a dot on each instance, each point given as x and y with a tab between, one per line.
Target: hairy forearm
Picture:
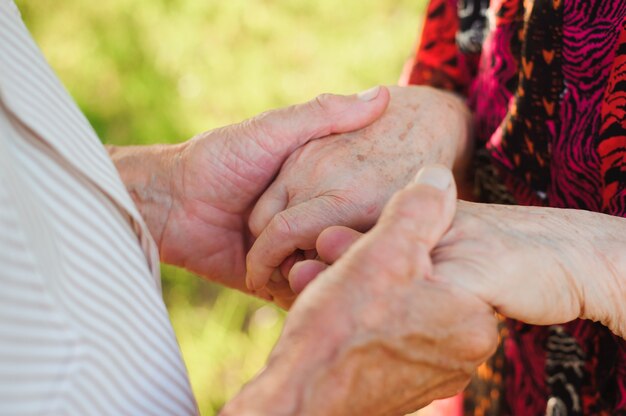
147	173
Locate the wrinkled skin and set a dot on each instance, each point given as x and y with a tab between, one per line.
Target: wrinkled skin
404	313
542	266
196	196
347	179
374	334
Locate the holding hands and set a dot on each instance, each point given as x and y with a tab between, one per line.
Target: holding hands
404	314
196	196
374	333
397	317
265	188
346	179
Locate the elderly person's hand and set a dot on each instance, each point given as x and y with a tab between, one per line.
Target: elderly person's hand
196	196
404	313
542	266
347	179
375	334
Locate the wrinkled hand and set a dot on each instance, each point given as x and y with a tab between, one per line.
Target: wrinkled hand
348	178
541	266
196	196
374	334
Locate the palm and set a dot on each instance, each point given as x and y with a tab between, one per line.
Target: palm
211	237
211	245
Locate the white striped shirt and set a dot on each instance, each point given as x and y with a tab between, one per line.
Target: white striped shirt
83	327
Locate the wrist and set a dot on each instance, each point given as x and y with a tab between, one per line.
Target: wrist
603	270
463	141
459	138
150	175
616	268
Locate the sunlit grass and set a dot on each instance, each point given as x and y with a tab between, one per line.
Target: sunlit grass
147	71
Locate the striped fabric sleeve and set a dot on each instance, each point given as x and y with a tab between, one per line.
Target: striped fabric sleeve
83	326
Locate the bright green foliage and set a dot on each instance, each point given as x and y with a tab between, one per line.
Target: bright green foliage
148	71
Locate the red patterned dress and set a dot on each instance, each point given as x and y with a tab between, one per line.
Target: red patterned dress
546	80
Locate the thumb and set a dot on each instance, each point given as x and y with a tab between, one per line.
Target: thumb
409	228
334	241
424	209
266	140
326	114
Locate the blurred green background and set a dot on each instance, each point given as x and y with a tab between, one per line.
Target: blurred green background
149	71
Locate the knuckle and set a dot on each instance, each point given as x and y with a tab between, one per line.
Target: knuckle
345	208
281	225
325	103
261	125
336	200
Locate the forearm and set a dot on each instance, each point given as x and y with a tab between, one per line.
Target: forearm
602	267
147	173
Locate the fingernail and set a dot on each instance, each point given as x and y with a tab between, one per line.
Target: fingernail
368	95
437	176
250	283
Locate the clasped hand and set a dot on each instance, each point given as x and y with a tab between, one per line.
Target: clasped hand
402	315
258	193
346	179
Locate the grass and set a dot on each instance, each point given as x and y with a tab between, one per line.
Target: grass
149	71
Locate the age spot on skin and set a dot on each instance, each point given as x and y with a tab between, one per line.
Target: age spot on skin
405	133
361	158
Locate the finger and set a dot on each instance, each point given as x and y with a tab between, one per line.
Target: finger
294	126
264	294
295	258
286	265
295	228
302	273
289	128
410	226
281	292
334	241
424	210
274	200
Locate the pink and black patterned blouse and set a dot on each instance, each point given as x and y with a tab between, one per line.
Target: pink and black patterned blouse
546	80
